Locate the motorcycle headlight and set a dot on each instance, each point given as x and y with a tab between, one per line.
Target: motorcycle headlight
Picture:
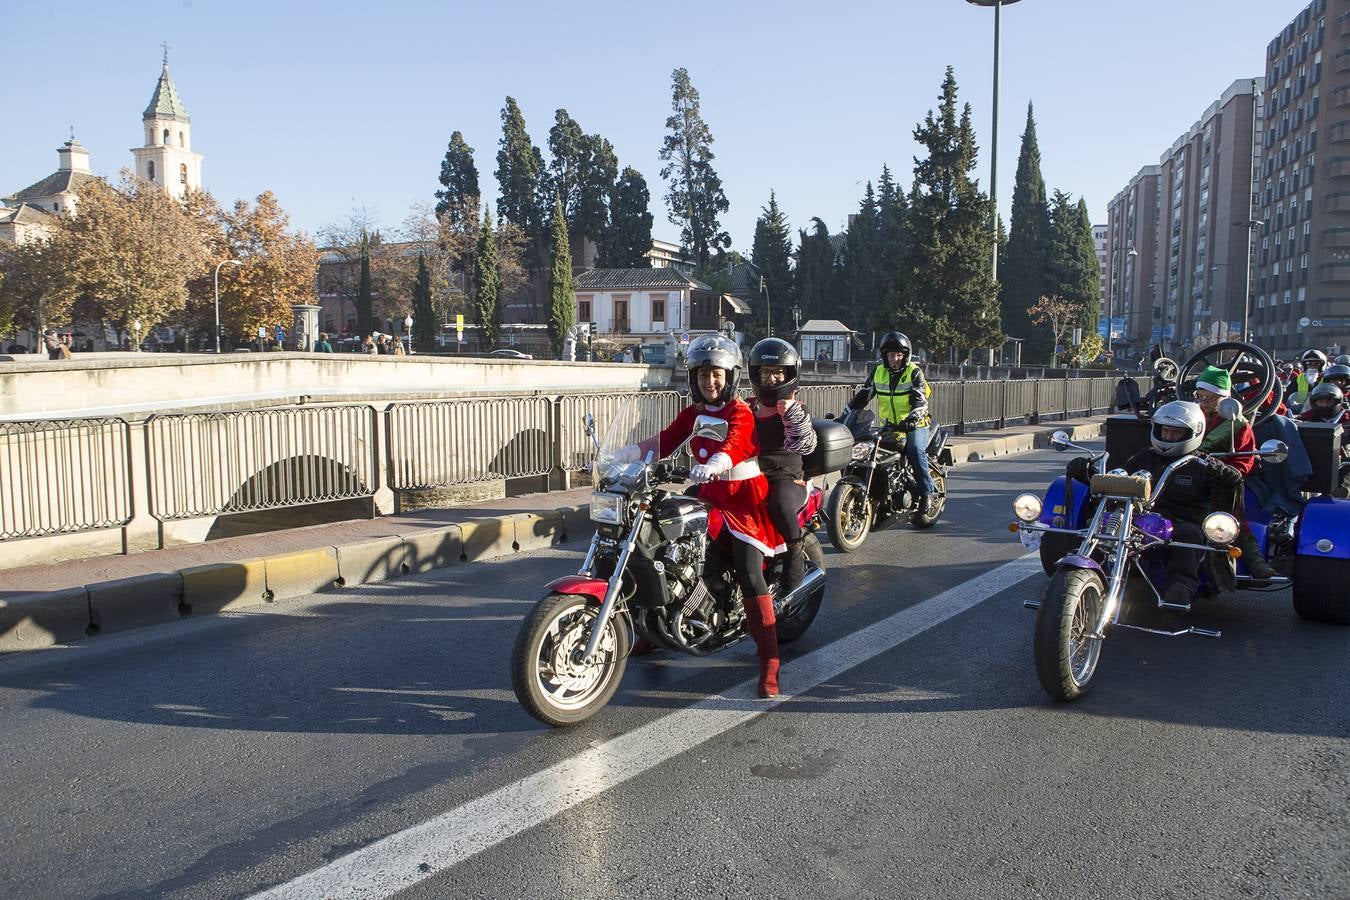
1027	507
862	450
1221	528
607	508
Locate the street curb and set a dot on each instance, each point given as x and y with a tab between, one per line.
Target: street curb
220	587
136	602
300	573
42	619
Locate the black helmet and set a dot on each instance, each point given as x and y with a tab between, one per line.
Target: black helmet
1342	360
892	341
774	352
713	351
1314	358
1338	374
1332	401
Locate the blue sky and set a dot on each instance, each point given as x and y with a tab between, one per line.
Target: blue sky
340	104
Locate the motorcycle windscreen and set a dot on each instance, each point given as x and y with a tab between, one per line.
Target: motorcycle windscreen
628	421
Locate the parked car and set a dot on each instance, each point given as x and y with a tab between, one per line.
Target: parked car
507	353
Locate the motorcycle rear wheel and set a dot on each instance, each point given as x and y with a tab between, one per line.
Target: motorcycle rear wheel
794	626
1066	658
919	520
547	680
848	516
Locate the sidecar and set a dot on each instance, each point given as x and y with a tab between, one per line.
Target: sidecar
1313	546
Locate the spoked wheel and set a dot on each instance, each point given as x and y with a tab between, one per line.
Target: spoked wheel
920	520
791	627
1251	368
1066	657
547	675
848	516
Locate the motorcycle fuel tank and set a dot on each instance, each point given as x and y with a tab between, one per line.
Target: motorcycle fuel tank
679	517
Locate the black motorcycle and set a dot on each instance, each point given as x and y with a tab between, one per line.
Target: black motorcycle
879	482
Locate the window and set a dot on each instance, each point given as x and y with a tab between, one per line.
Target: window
583	309
182	174
658	310
166	136
150	170
182	142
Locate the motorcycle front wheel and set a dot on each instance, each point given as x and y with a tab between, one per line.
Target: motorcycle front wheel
546	674
848	516
1066	658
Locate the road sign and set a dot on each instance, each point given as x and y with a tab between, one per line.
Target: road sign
459	327
1304	322
684	337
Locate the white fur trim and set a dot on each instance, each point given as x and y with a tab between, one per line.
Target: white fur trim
758	544
1212	388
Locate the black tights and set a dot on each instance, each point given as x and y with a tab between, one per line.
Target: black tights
749	562
785	498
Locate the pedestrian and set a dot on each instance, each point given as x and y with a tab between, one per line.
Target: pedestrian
63	351
53	343
368	346
396	347
385	345
637	353
281	338
322	345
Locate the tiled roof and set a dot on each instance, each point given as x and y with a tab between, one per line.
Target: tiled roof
166	104
56	183
25	214
635	279
826	326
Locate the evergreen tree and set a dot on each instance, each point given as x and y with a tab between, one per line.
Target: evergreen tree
519	165
1024	271
892	253
458	198
566	146
1073	269
365	303
952	300
424	313
695	198
816	276
1090	269
862	289
597	177
488	281
629	236
771	254
562	300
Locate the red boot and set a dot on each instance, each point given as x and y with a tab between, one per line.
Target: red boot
761	622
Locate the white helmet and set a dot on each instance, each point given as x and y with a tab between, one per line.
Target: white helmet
1178	414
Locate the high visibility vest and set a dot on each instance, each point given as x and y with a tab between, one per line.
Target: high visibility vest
893	403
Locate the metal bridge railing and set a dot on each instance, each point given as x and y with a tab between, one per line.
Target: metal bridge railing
440	443
575	451
62	476
203	464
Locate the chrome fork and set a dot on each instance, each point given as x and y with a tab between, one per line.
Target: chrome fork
612	590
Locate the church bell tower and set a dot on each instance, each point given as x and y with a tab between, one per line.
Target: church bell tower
167	159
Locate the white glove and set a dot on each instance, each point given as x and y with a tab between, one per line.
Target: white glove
628	454
719	464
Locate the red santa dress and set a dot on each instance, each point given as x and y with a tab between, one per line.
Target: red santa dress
741	495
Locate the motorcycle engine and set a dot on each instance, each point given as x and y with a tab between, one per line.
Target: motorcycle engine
683	562
901	497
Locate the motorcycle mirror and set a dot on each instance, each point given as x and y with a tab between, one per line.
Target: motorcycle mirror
1274	451
710	427
1229	409
1060	440
589	421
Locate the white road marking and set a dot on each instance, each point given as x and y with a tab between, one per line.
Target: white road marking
397	862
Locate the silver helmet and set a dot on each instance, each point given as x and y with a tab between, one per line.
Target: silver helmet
1178	414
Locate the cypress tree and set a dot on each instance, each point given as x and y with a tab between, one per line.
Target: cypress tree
365	307
629	235
458	197
519	164
771	254
951	298
488	281
893	225
862	287
565	144
562	300
1090	271
695	198
1024	272
1073	266
423	312
816	277
597	177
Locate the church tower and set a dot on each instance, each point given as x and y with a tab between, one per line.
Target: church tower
167	158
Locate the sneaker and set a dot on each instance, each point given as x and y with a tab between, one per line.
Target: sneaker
1179	595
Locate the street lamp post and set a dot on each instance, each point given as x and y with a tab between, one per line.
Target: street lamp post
1130	255
993	142
216	280
407	330
1249	224
136	327
768	310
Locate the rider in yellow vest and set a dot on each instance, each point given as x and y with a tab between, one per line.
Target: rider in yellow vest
902	394
1314	361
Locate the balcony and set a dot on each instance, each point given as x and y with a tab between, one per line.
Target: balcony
1339	168
1336	237
1337	203
1340	96
1333	272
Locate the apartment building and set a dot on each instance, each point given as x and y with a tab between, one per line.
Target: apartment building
1302	263
1179	269
1099	243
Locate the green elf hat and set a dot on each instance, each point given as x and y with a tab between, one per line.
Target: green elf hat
1216	381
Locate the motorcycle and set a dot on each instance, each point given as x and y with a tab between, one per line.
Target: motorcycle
879	482
1113	571
659	567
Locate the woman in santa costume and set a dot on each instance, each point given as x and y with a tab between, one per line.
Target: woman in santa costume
732	483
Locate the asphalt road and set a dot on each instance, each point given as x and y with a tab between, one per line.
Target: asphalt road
226	756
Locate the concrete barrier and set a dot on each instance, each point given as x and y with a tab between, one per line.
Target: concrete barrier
37	620
136	602
219	587
538	530
487	538
374	560
433	548
300	573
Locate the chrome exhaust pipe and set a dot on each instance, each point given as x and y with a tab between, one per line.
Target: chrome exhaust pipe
810	584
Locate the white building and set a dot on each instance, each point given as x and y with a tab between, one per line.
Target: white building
167	158
651	306
57	192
